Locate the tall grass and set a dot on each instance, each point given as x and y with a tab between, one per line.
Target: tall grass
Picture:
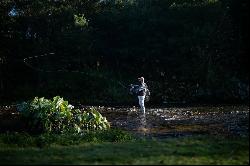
15	139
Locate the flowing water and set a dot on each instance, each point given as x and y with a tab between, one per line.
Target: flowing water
161	122
168	122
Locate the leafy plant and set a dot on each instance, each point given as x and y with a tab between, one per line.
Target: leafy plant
89	120
80	20
58	116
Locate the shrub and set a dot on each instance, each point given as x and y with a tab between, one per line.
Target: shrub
58	116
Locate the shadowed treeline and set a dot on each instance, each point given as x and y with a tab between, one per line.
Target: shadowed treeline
188	51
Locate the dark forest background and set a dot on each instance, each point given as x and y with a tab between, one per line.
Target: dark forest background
189	51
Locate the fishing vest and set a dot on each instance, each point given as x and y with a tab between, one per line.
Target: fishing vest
140	90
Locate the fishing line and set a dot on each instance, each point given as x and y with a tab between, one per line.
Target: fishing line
25	60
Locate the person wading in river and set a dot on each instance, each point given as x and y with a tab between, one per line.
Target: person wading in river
140	90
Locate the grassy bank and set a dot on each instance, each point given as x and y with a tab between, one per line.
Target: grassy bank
118	147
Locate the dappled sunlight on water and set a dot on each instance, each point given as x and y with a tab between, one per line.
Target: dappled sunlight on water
162	122
165	122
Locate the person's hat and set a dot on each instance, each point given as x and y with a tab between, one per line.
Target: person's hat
141	79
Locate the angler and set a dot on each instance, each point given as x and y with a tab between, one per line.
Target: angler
141	91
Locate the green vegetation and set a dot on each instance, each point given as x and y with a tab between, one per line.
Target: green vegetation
15	139
188	51
58	116
126	150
